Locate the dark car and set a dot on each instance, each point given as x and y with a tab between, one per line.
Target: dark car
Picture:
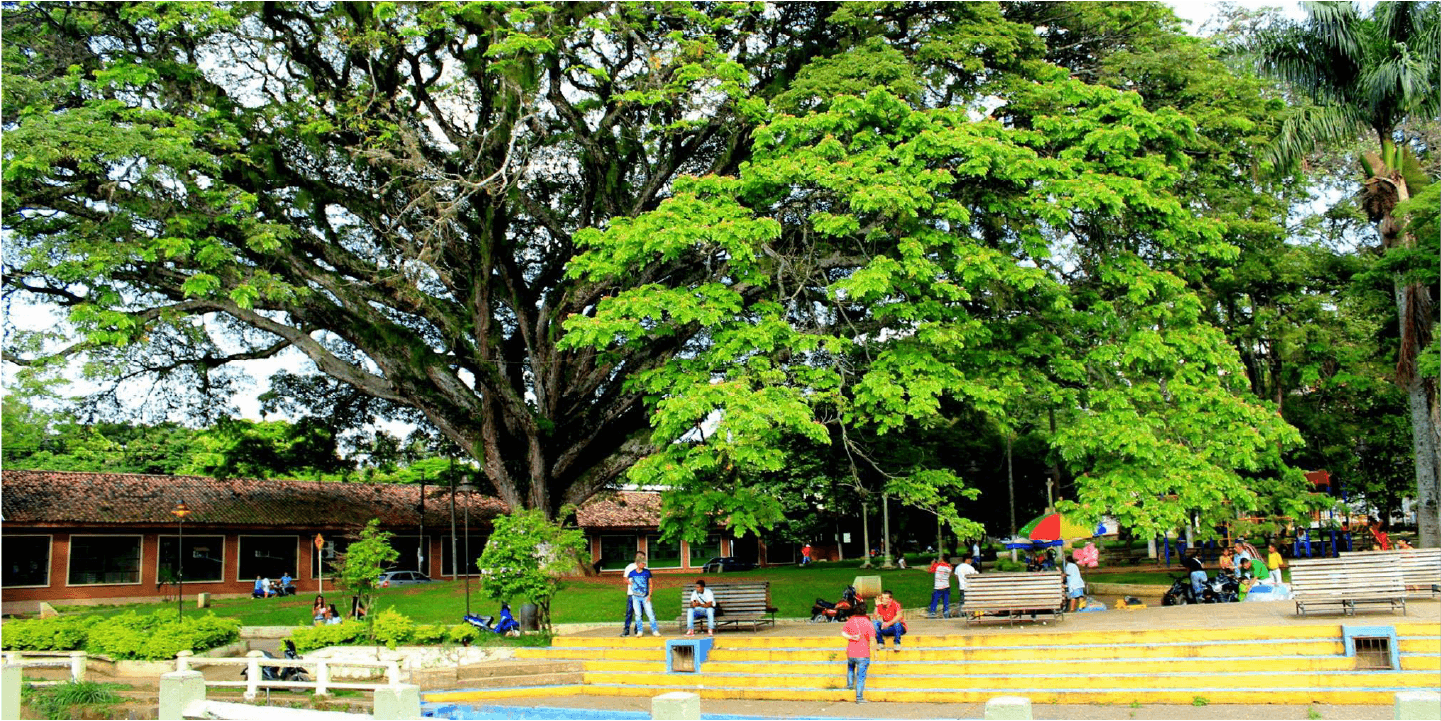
726	564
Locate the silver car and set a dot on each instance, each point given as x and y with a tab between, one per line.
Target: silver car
403	578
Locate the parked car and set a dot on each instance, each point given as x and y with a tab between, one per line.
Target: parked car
726	564
403	578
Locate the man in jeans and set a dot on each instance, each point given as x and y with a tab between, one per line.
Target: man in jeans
858	633
629	609
892	620
702	603
941	588
640	595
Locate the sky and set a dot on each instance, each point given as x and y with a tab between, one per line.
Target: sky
24	316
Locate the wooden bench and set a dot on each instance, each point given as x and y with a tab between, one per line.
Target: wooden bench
1420	568
1013	595
1348	582
737	604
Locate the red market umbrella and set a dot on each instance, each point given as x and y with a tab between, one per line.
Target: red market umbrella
1054	527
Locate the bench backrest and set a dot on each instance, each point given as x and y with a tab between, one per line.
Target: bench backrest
735	599
1366	575
1015	590
1419	566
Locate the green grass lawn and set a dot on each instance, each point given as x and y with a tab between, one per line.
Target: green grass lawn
600	599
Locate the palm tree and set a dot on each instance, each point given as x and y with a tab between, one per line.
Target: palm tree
1368	74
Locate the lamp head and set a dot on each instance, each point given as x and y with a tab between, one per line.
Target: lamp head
180	510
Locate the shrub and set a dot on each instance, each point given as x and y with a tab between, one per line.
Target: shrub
462	632
393	628
160	635
154	636
63	633
346	633
1006	565
428	635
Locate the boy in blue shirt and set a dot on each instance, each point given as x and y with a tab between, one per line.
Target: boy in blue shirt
640	590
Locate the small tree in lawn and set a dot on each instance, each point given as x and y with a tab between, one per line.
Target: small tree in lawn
526	556
360	567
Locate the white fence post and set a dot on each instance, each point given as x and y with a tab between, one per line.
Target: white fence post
396	702
1008	708
252	675
77	666
10	690
182	660
179	689
392	673
322	677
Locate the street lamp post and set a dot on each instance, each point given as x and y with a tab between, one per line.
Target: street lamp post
467	488
180	512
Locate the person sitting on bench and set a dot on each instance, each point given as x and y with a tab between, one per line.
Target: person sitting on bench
702	603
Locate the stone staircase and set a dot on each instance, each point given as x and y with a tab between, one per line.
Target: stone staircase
1280	664
503	674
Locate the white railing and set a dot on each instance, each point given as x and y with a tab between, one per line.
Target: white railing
75	660
319	668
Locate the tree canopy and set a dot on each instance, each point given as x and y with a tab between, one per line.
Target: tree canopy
681	245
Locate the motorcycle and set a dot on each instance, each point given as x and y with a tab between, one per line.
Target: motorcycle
1224	588
276	673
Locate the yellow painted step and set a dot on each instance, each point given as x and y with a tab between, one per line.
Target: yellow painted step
1420	645
1008	683
1037	695
1215	650
1061	639
1297	665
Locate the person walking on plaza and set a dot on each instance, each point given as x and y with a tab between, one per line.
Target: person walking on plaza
858	633
702	603
640	590
1075	586
892	619
629	609
941	588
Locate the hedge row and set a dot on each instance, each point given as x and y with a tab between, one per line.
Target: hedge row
152	637
391	629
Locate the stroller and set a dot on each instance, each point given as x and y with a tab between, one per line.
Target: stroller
824	611
503	624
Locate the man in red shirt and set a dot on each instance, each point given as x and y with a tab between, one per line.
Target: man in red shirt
892	619
858	632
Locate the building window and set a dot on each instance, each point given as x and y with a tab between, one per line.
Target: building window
617	552
662	554
204	558
27	561
267	556
702	551
477	545
410	558
96	560
334	548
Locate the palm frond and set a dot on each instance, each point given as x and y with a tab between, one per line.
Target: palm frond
1335	24
1313	126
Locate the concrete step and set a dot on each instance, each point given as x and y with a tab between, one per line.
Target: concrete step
893	666
1040	678
498	674
516	668
540	679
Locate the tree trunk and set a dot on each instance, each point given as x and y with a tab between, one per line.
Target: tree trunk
1423	441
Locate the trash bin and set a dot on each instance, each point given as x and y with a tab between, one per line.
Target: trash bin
527	618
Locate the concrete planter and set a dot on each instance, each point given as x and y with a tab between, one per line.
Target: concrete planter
410	658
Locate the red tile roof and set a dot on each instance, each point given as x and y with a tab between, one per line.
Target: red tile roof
59	497
620	509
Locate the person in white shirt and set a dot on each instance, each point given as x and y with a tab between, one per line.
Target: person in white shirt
702	603
964	569
941	588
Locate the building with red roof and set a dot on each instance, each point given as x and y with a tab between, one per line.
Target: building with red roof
112	538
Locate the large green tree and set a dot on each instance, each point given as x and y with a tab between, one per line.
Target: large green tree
1371	73
390	189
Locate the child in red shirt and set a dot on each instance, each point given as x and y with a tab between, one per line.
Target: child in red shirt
858	632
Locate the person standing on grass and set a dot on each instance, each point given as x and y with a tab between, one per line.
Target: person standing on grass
941	587
892	619
640	589
806	553
858	633
702	603
629	609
